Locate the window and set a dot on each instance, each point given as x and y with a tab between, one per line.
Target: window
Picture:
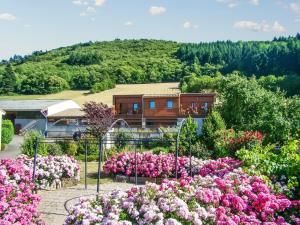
193	105
205	106
152	104
135	107
170	104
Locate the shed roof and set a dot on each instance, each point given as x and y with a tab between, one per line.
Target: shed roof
27	105
69	113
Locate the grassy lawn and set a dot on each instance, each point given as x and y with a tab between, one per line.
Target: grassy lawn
105	96
92	172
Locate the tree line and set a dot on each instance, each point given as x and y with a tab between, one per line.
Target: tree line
98	66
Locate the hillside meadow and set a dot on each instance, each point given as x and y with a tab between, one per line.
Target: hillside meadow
81	96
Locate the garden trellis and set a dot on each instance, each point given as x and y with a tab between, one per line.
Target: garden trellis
135	140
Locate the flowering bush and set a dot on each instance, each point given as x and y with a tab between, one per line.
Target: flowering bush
230	141
233	198
163	165
17	203
51	170
148	165
282	166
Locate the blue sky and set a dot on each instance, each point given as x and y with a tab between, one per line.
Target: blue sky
28	25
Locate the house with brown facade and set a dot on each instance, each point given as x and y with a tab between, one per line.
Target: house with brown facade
153	111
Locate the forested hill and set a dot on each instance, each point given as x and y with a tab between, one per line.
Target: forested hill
99	65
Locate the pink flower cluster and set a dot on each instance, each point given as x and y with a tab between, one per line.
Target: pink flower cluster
229	199
219	167
148	165
17	203
51	170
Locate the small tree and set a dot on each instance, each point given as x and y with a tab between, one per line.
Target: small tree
188	133
9	80
100	117
212	124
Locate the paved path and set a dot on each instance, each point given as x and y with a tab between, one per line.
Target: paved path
13	149
52	206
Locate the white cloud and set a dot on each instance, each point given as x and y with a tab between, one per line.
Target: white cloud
277	27
83	14
297	20
189	25
99	2
295	7
262	26
128	24
232	5
7	17
156	10
254	2
90	9
229	3
80	2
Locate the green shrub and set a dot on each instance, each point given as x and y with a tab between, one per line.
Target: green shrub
92	148
212	124
29	144
199	150
54	149
122	139
90	158
2	146
68	147
102	86
282	166
7	131
162	150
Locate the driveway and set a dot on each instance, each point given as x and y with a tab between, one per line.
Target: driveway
13	149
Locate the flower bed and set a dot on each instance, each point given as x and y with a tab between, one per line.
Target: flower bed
54	171
148	165
230	198
163	165
17	203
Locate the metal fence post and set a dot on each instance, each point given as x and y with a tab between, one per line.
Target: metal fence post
99	168
85	164
190	154
176	158
135	158
34	164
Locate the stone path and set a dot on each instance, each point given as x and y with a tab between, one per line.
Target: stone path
13	149
52	206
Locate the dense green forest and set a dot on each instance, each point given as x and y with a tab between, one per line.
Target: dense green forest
97	66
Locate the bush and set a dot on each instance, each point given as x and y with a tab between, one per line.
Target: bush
92	148
54	149
161	150
90	158
281	166
7	131
199	150
231	141
68	147
84	58
29	143
102	86
212	124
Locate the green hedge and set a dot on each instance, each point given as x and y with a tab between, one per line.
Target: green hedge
7	131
